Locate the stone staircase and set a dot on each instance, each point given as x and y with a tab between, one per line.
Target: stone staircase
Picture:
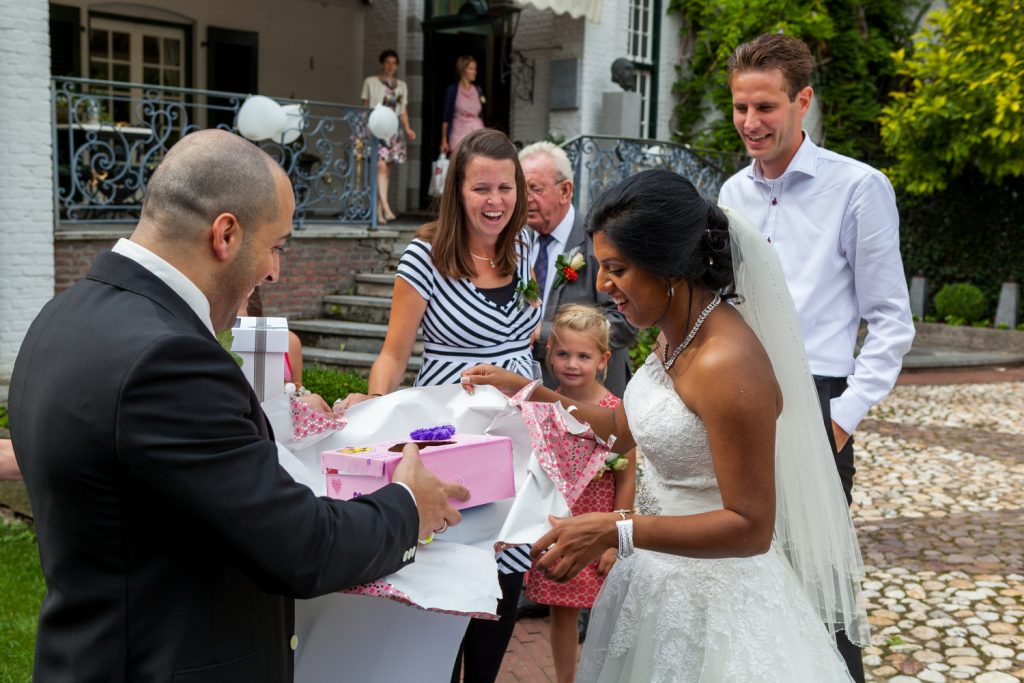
351	332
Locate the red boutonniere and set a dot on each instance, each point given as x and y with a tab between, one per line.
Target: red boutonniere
568	267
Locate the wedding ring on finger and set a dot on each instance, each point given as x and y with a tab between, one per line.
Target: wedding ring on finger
443	528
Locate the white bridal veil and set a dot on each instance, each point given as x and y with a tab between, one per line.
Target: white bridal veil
812	523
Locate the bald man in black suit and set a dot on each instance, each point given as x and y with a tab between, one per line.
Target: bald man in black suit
171	541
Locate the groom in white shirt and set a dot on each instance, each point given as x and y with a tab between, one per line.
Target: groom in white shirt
834	224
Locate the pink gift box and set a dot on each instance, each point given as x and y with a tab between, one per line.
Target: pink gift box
481	463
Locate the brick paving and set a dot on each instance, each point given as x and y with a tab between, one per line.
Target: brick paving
938	500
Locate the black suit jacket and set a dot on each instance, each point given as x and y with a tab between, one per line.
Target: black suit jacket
584	291
171	541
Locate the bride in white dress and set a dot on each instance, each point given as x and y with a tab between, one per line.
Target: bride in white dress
742	558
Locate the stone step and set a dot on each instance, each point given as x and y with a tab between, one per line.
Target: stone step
345	335
358	308
375	284
396	254
355	361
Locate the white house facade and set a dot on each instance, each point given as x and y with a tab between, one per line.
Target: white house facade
544	68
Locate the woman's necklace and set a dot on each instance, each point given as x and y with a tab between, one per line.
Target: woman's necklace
667	361
483	258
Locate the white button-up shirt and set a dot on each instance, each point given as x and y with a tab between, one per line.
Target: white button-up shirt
834	224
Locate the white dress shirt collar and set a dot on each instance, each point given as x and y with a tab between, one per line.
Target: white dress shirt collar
170	276
561	232
805	161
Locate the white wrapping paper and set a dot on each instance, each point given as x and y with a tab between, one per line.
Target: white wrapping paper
454	574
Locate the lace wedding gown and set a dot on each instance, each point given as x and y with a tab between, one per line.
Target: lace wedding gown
662	617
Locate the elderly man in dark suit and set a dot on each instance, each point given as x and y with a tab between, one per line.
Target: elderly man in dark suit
559	230
171	540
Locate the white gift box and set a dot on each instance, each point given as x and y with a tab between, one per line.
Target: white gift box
262	343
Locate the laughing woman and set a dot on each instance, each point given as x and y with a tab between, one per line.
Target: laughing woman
459	280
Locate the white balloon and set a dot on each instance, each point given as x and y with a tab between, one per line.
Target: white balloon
260	118
383	122
295	120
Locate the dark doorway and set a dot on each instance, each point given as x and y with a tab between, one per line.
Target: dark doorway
232	65
443	43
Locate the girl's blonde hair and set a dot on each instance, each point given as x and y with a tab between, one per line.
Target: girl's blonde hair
586	320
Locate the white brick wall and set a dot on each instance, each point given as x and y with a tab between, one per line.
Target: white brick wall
26	174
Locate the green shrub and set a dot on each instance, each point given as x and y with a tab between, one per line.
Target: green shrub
961	301
331	384
642	346
5	421
1002	326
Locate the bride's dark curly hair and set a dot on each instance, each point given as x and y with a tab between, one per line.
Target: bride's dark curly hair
658	221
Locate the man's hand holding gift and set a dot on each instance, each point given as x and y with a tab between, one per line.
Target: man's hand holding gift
432	494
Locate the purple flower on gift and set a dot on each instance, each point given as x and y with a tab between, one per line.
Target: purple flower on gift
439	433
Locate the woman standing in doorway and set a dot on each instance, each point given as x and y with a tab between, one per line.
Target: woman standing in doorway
463	105
386	89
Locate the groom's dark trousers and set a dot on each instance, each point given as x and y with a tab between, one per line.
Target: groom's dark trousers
829	388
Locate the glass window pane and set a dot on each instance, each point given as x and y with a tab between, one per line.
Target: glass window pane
172	52
122	111
121	43
150	50
98	70
151	75
121	72
172	77
97	43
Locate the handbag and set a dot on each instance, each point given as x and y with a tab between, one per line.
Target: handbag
438	171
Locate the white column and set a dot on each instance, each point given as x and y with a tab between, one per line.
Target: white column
26	172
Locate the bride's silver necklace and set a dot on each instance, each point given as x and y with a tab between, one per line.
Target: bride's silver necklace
668	361
483	258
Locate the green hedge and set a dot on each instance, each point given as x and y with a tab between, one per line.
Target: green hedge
331	384
973	232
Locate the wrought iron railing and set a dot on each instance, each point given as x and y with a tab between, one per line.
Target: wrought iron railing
109	136
601	161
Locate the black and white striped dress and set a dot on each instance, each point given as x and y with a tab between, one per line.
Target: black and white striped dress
463	328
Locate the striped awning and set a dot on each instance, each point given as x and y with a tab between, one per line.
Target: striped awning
591	9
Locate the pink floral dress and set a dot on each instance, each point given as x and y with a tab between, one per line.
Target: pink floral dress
598	496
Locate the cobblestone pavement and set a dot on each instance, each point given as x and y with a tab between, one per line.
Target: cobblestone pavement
937	504
938	498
